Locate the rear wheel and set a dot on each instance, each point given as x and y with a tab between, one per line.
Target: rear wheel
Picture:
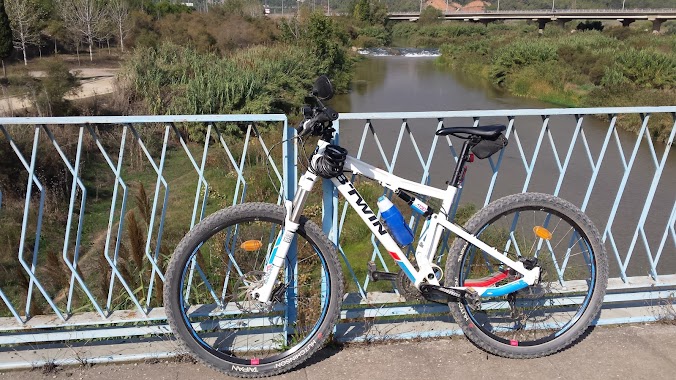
537	229
210	299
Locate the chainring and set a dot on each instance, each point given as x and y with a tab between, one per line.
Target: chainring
406	288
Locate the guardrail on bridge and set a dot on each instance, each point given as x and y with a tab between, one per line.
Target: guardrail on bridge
75	191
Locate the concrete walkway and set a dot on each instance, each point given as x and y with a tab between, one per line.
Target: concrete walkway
641	351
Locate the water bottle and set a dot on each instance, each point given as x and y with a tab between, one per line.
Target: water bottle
400	231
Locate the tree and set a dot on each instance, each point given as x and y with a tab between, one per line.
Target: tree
370	11
430	15
362	10
5	37
85	18
25	17
56	29
378	12
119	12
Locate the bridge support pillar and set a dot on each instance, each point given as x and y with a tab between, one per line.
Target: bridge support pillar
657	25
541	24
626	21
562	23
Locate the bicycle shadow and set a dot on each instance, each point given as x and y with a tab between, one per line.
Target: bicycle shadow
326	352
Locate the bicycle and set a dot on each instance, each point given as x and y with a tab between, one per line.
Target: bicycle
524	277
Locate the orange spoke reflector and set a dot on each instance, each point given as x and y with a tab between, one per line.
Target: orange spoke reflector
251	245
542	232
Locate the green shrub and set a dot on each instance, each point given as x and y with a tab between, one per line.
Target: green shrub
614	78
589	40
520	53
367	42
176	80
404	30
453	29
47	93
376	33
648	68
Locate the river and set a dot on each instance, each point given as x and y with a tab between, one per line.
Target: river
417	83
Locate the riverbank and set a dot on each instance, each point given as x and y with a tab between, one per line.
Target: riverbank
615	67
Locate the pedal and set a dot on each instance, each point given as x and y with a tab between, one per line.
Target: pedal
376	275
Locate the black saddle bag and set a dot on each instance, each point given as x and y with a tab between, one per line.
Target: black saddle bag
487	148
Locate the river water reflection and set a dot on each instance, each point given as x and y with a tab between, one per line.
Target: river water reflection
408	84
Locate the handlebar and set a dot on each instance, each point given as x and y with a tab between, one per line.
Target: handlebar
316	124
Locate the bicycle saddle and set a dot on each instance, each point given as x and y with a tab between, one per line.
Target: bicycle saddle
487	131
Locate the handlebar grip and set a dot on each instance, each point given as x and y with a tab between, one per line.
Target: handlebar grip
322	117
331	114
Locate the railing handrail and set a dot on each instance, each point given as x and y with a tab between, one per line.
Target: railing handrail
343	116
506	113
545	11
140	119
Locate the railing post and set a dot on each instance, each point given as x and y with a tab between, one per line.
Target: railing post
330	201
290	174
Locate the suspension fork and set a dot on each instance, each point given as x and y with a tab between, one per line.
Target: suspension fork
285	238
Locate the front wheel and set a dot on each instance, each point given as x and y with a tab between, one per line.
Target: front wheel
537	229
210	296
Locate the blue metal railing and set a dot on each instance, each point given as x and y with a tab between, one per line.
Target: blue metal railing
576	139
120	189
624	181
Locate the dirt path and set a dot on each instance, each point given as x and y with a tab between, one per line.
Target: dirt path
93	82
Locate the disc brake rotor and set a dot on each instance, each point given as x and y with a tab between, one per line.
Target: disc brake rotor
244	293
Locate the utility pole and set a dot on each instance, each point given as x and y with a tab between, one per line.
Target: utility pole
623	4
553	5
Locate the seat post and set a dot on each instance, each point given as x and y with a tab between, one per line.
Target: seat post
459	172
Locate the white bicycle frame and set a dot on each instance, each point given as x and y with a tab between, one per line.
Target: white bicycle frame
427	244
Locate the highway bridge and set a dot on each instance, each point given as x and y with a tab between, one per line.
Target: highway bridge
542	17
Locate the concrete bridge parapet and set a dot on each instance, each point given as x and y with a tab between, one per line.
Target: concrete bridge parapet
561	17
